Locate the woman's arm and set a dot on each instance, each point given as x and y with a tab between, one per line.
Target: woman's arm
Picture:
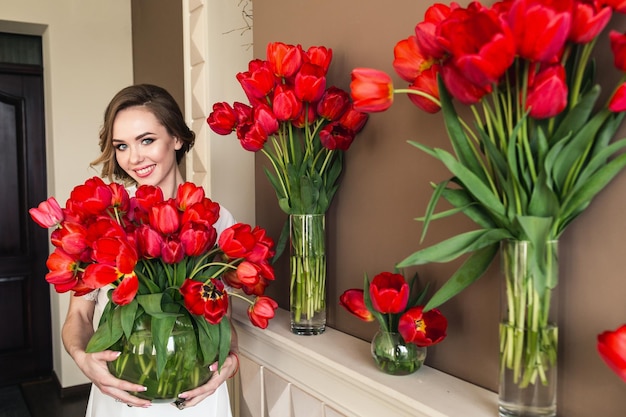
76	332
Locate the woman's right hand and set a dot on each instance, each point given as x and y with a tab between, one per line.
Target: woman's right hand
94	366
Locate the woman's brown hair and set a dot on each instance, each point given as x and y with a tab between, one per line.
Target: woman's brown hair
165	109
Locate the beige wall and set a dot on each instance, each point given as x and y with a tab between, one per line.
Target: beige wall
386	185
87	58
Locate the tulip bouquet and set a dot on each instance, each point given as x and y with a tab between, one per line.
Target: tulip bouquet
302	127
163	264
612	349
398	308
533	151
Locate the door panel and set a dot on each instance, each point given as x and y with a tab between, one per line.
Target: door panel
25	341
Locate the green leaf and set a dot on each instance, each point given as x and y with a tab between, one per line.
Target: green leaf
208	335
462	199
128	315
224	344
580	199
107	334
455	246
432	203
368	303
472	269
161	328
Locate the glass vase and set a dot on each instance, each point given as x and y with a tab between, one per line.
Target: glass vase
137	362
528	330
394	356
307	236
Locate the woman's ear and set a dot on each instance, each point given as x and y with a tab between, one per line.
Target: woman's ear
178	144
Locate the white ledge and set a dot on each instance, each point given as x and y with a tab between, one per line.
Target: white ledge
339	370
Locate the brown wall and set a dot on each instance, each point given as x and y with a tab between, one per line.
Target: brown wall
386	185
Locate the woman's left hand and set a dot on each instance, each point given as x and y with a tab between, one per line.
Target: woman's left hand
194	396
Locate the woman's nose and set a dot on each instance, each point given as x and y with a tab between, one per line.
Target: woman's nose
134	154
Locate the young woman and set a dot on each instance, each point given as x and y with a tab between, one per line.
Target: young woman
143	139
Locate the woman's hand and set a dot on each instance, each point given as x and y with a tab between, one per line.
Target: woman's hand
94	366
194	396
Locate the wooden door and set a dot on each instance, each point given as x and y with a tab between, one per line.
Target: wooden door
25	335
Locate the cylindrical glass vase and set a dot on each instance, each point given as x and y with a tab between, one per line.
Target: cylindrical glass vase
307	236
394	356
137	362
528	330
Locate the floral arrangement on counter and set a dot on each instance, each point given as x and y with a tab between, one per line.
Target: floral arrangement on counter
389	299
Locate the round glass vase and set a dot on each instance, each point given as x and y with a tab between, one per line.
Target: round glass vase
528	330
394	356
307	266
137	362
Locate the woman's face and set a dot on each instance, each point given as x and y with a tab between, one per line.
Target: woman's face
145	150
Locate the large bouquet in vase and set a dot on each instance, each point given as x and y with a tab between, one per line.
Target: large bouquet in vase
166	273
302	127
532	151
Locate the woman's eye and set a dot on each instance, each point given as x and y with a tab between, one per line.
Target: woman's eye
147	141
121	147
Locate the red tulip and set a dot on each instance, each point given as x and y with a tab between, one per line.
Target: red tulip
320	56
589	18
460	87
258	82
426	82
248	274
48	213
265	118
408	60
206	212
540	27
612	349
149	241
482	47
164	217
389	293
116	252
222	119
188	194
98	275
126	290
353	120
263	309
618	101
284	60
241	241
306	117
618	46
62	270
147	196
172	251
423	329
206	299
353	301
252	136
371	90
92	197
196	238
310	83
335	136
547	92
426	31
72	237
285	104
333	104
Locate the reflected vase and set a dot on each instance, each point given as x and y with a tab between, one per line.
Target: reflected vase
394	356
528	330
183	369
307	265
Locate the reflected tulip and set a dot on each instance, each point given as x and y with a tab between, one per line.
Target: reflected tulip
422	328
612	349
